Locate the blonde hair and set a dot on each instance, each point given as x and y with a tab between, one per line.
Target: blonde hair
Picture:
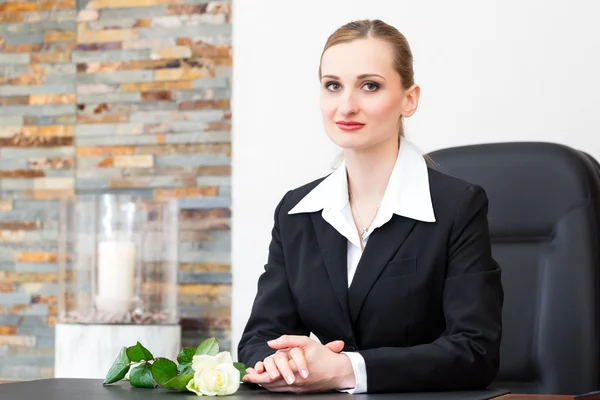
377	29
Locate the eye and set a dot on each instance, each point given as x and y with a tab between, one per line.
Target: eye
332	86
371	86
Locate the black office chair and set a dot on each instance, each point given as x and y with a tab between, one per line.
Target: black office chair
544	215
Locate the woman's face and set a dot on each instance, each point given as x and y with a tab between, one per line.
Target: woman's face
362	98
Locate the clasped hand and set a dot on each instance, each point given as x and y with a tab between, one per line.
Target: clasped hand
301	365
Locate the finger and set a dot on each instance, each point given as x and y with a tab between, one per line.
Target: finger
271	368
281	383
297	355
291	361
261	379
283	364
336	346
286	341
293	366
276	384
259	367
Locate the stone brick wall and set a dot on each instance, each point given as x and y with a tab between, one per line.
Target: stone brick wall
112	95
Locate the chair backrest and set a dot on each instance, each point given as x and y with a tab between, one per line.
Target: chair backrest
544	215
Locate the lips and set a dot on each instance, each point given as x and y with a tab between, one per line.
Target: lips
349	125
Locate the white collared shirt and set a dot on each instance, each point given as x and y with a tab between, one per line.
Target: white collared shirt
407	194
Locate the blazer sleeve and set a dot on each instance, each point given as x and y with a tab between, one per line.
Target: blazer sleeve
466	355
274	312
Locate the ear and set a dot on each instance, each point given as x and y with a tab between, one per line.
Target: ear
411	100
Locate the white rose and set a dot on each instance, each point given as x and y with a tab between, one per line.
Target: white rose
214	375
204	361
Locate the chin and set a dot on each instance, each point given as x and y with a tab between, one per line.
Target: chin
350	142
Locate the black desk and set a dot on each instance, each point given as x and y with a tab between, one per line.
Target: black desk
92	389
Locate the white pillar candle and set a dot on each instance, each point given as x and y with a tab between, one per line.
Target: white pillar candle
116	273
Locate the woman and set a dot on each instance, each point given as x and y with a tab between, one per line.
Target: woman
386	261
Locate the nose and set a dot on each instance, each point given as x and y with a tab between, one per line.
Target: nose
348	105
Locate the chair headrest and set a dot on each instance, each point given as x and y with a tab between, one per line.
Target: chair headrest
530	185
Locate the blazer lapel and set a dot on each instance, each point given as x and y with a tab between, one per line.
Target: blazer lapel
383	243
334	250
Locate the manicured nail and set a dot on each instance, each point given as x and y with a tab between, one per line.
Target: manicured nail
290	380
304	373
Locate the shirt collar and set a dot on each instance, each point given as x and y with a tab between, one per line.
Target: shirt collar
407	193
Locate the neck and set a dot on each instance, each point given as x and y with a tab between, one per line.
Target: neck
369	170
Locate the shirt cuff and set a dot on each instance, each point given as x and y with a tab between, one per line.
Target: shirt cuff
360	373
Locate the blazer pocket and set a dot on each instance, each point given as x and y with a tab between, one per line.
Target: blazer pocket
401	267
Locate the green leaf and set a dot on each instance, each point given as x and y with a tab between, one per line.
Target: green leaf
240	367
179	382
163	370
139	353
209	347
185	369
186	355
119	368
141	376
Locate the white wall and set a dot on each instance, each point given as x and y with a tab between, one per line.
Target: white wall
490	71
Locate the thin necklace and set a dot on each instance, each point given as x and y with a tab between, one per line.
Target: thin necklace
365	229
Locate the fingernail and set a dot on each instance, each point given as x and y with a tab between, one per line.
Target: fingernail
290	380
304	373
271	342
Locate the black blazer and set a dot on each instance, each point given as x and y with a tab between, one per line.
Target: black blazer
425	305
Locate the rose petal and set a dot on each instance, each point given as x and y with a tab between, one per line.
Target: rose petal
203	361
206	382
231	381
223	357
192	385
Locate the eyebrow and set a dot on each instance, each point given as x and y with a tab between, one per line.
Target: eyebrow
363	76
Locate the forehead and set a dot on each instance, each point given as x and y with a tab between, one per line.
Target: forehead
358	57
